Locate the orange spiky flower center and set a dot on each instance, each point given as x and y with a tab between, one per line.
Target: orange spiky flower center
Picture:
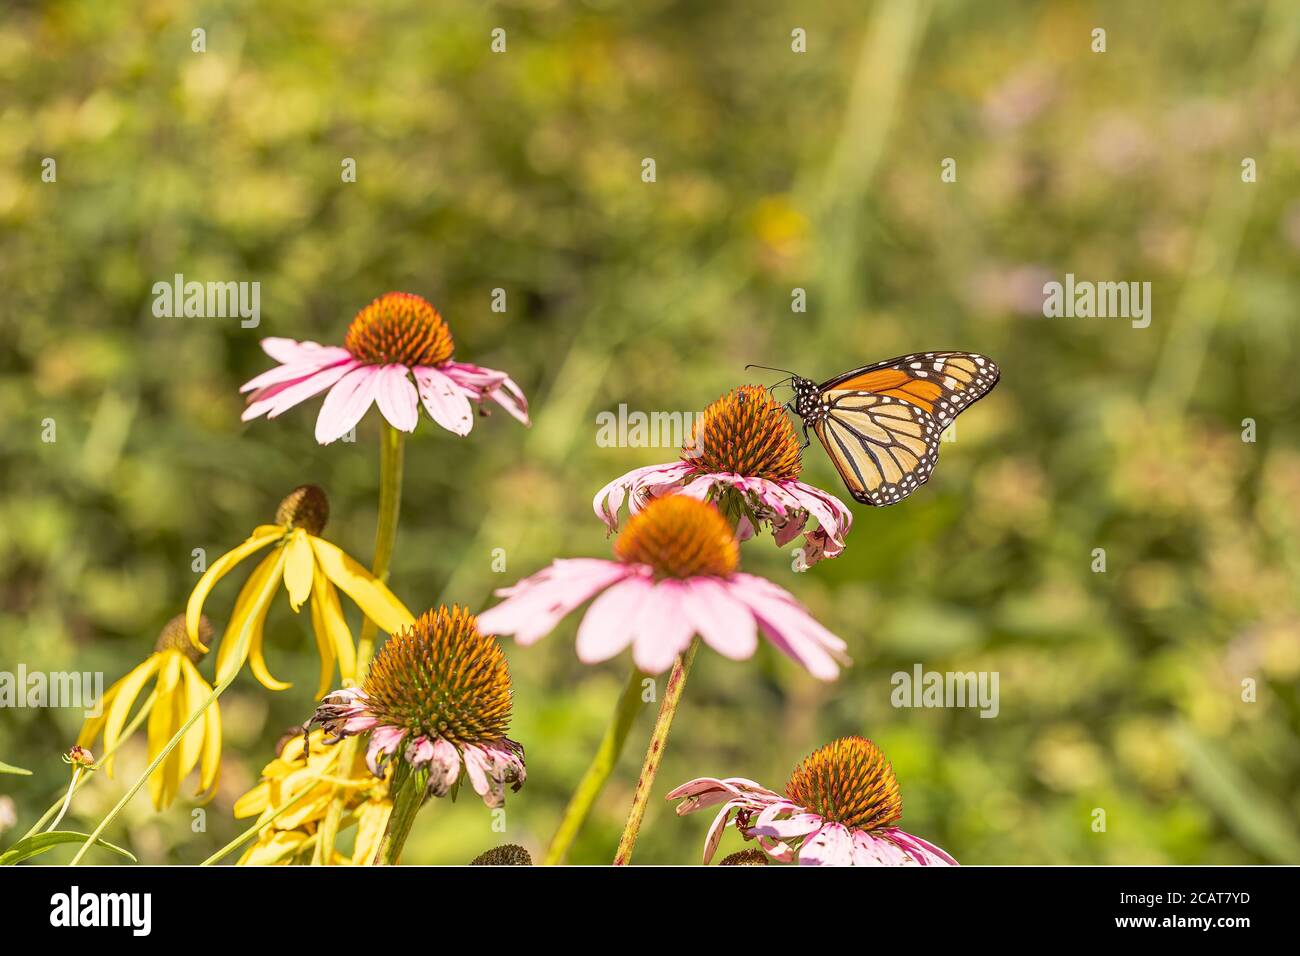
440	677
305	507
745	432
680	538
173	637
399	327
848	781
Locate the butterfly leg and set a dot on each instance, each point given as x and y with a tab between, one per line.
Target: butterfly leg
806	440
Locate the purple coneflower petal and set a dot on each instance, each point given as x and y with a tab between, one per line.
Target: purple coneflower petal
536	604
789	626
384	741
446	404
396	398
661	629
606	628
832	845
444	767
346	404
275	399
725	623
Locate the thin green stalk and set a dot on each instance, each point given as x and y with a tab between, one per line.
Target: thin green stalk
67	800
391	454
153	765
602	765
655	752
130	728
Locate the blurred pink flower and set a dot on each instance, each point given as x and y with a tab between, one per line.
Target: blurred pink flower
840	808
397	337
675	577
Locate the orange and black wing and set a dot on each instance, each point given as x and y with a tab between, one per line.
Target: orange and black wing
882	423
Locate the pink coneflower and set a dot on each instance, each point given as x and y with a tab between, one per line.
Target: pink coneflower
437	698
675	577
840	809
742	447
397	337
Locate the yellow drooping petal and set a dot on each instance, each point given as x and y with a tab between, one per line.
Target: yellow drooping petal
324	646
249	615
299	568
370	594
262	536
372	820
164	720
124	693
209	727
273	847
257	663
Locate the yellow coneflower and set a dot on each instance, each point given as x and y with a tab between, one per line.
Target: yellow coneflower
178	692
292	831
310	568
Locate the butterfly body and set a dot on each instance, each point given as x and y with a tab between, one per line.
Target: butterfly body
881	424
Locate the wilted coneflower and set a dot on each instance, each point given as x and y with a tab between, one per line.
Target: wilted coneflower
397	337
310	568
676	576
841	808
179	690
436	701
743	446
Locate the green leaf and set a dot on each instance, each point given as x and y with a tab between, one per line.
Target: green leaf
7	768
1252	815
38	843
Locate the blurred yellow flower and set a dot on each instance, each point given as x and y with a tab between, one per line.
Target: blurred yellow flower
178	692
310	568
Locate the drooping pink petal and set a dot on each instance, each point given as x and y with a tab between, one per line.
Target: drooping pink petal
922	851
726	624
638	484
396	398
444	767
661	629
789	626
384	740
444	402
484	383
714	836
275	399
832	845
607	627
534	606
346	403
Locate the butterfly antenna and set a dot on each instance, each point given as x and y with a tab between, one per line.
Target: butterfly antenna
769	368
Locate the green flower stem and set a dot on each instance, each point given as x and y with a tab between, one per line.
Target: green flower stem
391	454
602	765
130	728
391	450
153	765
72	788
655	752
410	795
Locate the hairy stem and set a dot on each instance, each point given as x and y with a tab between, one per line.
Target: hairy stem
655	752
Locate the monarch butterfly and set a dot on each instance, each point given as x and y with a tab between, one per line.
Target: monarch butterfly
881	423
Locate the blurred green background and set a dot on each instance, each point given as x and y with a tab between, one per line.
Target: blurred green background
775	170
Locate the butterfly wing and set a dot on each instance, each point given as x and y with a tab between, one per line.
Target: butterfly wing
881	424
